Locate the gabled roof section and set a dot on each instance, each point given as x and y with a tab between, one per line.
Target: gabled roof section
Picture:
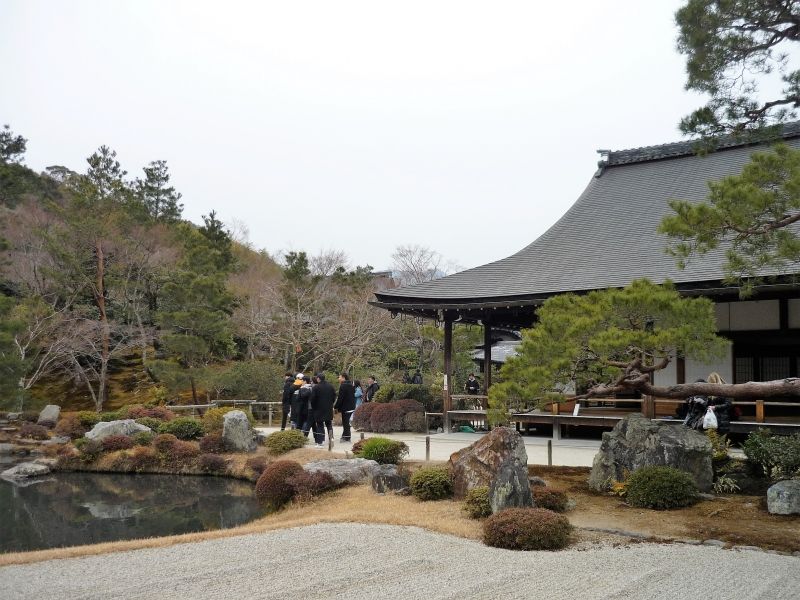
608	237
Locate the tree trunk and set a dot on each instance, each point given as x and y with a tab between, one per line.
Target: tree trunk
194	390
752	390
100	300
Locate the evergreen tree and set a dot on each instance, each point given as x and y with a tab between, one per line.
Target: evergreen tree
159	199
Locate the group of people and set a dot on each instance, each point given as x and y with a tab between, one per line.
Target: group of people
696	408
309	403
415	380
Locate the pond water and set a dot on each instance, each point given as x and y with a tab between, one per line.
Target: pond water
69	509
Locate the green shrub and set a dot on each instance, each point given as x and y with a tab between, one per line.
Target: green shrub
150	422
183	428
143	438
719	445
390	392
110	416
90	450
71	427
476	503
661	488
382	450
414	422
273	487
33	431
773	455
545	497
88	418
212	443
213	419
282	442
432	483
112	443
527	529
212	463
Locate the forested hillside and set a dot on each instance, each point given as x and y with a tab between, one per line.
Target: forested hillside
109	296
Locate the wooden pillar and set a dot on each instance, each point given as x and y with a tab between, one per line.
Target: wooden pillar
448	366
759	411
487	357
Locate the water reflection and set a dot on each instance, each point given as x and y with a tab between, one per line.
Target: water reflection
68	509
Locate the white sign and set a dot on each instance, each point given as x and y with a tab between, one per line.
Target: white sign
576	409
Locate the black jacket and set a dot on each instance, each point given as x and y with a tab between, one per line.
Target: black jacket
346	400
472	387
288	390
300	398
372	389
322	398
723	407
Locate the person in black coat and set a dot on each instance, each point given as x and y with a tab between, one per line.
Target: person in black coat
722	407
300	406
286	399
345	404
322	398
372	388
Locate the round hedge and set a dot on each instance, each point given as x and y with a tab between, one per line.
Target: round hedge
527	529
183	428
545	497
212	443
273	487
282	442
117	442
212	463
476	503
382	450
660	488
164	442
432	483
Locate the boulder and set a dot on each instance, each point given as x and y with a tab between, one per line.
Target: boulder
6	449
124	427
237	432
639	442
388	479
345	470
498	461
537	482
783	498
13	416
50	414
25	470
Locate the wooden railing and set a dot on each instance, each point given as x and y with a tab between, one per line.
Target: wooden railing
259	409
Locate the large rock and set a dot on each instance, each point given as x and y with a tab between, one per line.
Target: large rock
388	479
237	432
124	427
639	442
50	413
783	498
25	470
345	470
498	461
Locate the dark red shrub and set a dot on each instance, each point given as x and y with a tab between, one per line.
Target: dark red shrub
256	464
212	463
386	417
117	442
410	406
415	422
527	529
363	414
164	442
182	453
46	423
143	458
162	413
212	443
358	446
31	416
308	485
545	497
33	431
70	427
273	488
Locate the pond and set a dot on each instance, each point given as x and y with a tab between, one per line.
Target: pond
69	509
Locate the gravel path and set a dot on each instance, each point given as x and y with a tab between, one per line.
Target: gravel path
378	561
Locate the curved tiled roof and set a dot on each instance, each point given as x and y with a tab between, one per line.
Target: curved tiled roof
608	237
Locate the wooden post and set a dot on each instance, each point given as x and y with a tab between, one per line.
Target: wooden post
427	447
649	407
759	411
362	435
448	371
549	453
487	358
270	415
555	408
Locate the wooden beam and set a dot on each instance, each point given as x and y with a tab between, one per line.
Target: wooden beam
759	411
487	358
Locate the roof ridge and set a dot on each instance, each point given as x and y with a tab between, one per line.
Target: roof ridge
682	148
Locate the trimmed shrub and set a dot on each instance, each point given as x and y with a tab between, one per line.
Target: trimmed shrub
183	428
33	431
143	458
432	483
212	443
382	450
773	455
390	392
161	413
660	488
164	442
90	450
182	453
386	418
110	416
309	485
256	464
363	415
88	418
212	463
358	445
415	422
476	503
71	427
545	497
273	488
527	529
116	442
213	418
143	438
282	442
150	422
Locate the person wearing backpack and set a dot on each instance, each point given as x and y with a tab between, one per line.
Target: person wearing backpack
372	388
300	406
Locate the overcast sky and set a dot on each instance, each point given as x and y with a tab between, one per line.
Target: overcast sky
465	127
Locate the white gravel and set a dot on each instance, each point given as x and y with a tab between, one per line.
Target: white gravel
377	561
